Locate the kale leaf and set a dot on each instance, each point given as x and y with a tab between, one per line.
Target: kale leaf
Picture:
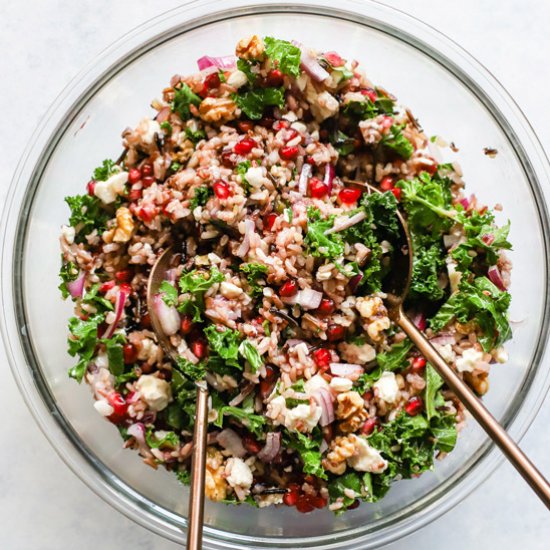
82	342
308	451
254	272
318	244
87	214
397	142
200	196
107	169
253	102
251	354
285	54
183	99
67	273
225	343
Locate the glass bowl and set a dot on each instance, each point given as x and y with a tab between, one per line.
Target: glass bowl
449	92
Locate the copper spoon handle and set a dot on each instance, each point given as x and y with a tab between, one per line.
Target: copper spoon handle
198	459
486	420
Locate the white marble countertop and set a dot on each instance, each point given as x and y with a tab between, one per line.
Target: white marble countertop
43	44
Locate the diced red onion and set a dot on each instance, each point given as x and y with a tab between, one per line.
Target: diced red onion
231	441
344	222
346	370
223	62
330	173
244	247
119	310
465	203
271	448
419	321
443	340
76	287
307	298
354	282
496	278
310	65
168	316
137	431
304	178
323	397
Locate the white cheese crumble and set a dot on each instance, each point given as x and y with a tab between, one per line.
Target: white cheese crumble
366	458
148	129
68	233
107	191
303	416
236	79
314	383
340	384
103	408
229	290
446	352
470	357
238	473
155	391
386	387
255	176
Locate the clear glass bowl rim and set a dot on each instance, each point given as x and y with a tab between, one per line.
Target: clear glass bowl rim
27	176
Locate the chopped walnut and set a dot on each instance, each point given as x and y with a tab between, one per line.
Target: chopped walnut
251	48
341	448
351	411
354	422
217	109
124	225
375	316
215	487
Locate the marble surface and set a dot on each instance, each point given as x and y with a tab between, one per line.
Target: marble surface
43	44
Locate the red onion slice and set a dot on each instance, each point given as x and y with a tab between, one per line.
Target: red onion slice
310	65
304	178
223	62
231	441
119	310
496	278
323	397
76	287
465	203
272	447
168	316
419	321
137	431
346	370
307	298
344	222
330	173
355	281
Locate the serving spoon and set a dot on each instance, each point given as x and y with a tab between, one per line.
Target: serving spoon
396	286
198	456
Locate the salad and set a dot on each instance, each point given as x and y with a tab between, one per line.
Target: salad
275	294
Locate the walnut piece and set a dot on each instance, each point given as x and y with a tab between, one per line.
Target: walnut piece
124	225
217	109
341	448
251	48
351	411
215	487
374	314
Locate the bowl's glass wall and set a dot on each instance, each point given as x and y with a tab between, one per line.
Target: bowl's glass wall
443	106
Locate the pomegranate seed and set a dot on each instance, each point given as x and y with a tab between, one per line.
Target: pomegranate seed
310	160
370	93
317	188
326	307
335	332
288	153
387	122
396	192
303	504
414	405
334	59
289	288
147	213
369	425
274	78
251	445
125	287
354	504
130	354
123	276
134	175
322	357
105	287
229	159
418	364
368	395
90	187
147	170
420	321
267	383
245	126
281	124
290	498
212	80
432	168
270	221
134	195
387	183
318	501
147	181
119	405
145	320
221	189
198	347
186	324
348	195
244	146
488	239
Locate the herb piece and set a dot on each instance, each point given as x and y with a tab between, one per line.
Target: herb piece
319	244
428	261
159	439
92	297
195	135
201	196
198	281
82	342
308	451
253	102
115	356
184	476
67	273
245	415
167	127
107	169
254	272
225	343
433	384
482	302
251	354
339	486
344	144
183	99
285	54
180	414
397	142
195	372
87	214
242	169
169	293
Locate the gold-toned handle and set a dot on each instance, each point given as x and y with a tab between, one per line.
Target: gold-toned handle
198	459
485	419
